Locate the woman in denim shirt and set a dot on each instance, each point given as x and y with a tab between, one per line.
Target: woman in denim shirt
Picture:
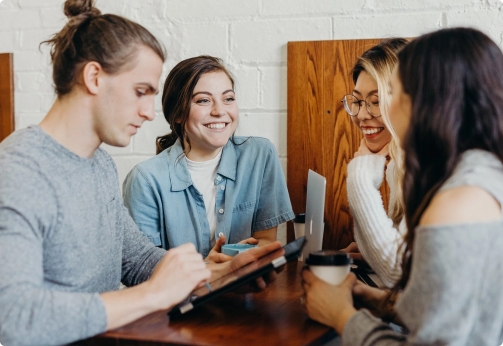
205	185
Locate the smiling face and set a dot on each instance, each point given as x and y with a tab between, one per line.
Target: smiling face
128	99
213	116
374	131
400	108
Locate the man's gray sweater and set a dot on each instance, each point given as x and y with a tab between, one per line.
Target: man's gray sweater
65	237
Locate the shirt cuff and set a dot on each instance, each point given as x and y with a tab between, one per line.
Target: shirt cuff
274	221
97	316
364	329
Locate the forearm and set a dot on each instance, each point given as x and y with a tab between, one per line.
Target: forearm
383	256
364	329
218	269
35	316
374	233
266	236
128	305
342	319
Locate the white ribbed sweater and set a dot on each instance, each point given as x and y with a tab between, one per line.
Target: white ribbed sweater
374	233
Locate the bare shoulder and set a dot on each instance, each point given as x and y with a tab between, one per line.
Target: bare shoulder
463	204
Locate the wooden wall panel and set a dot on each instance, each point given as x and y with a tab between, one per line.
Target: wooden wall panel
6	95
320	133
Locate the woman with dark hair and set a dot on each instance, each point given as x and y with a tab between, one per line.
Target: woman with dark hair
206	185
378	234
66	240
447	109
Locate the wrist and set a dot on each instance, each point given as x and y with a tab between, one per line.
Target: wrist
343	318
218	269
155	299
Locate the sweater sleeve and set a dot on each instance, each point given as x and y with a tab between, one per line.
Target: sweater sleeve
31	314
139	256
443	301
375	235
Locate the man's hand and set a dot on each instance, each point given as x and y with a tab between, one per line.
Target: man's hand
179	272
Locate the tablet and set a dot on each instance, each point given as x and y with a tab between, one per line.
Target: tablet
239	277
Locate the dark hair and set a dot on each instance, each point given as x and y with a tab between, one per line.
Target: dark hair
177	96
108	39
454	78
380	56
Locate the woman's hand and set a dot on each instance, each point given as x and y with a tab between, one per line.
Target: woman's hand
329	304
353	252
370	298
364	150
252	255
216	255
240	260
374	300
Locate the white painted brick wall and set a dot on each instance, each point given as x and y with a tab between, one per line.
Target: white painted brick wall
250	35
264	40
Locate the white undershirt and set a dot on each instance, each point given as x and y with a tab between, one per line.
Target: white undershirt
203	177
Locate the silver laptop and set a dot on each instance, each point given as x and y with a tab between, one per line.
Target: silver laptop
315	209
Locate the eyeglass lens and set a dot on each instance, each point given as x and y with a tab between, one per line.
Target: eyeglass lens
352	105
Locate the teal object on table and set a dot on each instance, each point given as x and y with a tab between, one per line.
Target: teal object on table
234	249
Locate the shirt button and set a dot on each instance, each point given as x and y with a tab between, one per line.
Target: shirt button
222	187
219	178
221	211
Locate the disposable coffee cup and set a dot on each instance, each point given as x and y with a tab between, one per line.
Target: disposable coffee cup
299	225
330	266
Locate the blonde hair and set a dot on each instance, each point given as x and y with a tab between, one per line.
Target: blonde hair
379	62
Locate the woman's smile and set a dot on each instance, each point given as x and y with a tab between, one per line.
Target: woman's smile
371	132
216	126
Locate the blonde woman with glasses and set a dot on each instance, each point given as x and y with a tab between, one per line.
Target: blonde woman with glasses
378	234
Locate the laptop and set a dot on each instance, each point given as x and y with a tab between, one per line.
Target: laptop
314	226
315	209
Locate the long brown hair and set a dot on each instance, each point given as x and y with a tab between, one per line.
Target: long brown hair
177	96
379	62
454	78
108	39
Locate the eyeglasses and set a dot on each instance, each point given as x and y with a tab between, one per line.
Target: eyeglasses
352	105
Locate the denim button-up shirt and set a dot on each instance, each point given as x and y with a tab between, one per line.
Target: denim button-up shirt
251	195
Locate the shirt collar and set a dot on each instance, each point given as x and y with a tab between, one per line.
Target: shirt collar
179	172
228	164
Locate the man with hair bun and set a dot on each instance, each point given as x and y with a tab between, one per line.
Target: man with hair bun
66	239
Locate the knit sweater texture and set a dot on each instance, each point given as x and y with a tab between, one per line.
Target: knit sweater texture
65	237
453	296
377	239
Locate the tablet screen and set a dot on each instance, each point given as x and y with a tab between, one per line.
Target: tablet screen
262	262
241	276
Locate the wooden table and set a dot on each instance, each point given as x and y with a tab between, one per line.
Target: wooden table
272	317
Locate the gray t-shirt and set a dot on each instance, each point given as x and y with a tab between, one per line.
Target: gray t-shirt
454	294
65	237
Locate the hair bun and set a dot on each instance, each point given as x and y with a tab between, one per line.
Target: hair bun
75	8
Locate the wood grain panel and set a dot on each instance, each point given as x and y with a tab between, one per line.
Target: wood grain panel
320	133
6	95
